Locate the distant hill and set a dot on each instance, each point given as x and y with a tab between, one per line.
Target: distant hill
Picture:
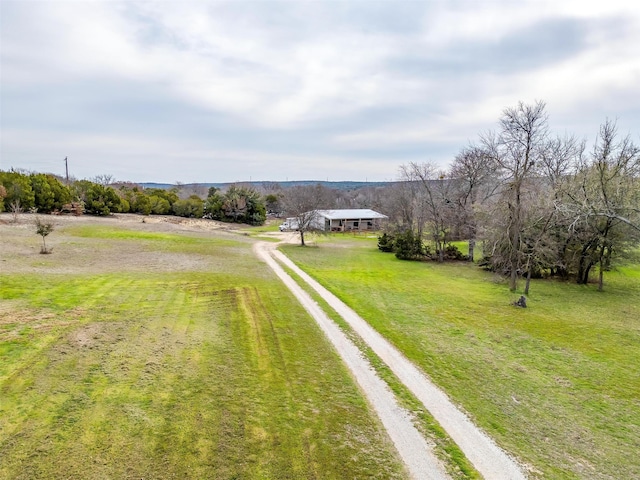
345	185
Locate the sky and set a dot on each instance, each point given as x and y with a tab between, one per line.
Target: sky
225	91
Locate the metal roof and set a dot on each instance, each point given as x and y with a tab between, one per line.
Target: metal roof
350	214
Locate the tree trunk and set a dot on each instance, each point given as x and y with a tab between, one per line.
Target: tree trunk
586	273
513	279
472	244
584	264
302	238
601	272
528	282
583	274
601	277
513	262
604	255
514	237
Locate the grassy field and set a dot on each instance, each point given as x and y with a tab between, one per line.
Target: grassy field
454	460
556	384
137	353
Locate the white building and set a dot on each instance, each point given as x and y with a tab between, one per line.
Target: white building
347	220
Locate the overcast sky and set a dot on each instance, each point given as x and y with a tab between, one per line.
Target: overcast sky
223	91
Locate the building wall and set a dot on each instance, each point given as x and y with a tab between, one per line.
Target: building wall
360	224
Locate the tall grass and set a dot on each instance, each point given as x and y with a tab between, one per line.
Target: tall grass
556	384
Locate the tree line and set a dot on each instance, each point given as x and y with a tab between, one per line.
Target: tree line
46	193
538	204
242	203
541	205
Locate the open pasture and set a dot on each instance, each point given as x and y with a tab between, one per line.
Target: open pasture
140	350
556	384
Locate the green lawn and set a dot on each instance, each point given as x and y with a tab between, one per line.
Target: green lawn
126	370
556	384
454	460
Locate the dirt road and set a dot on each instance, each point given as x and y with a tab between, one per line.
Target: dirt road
491	461
416	453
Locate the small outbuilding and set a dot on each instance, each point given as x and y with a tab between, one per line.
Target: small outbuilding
345	220
348	220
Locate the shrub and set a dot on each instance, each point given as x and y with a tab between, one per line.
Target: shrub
17	189
238	204
43	229
192	207
3	194
159	205
408	246
386	242
141	204
451	252
49	193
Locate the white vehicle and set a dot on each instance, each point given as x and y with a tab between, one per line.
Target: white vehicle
290	224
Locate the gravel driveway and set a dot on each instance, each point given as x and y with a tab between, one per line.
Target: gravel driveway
414	450
489	459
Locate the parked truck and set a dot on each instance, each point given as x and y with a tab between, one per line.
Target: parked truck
289	225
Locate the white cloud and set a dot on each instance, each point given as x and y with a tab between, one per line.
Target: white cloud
452	22
132	157
394	76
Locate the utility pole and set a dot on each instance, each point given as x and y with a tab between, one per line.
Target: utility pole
66	168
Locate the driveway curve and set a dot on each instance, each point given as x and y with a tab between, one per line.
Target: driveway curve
485	455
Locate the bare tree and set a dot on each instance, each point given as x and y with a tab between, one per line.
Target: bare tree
402	205
558	160
516	149
104	179
188	190
303	202
604	202
473	174
435	198
544	232
538	245
15	207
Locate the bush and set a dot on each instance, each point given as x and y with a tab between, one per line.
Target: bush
238	204
43	229
17	190
141	205
159	205
408	246
386	242
49	193
192	207
451	252
101	200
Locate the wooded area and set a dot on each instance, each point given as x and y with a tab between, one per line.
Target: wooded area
540	205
